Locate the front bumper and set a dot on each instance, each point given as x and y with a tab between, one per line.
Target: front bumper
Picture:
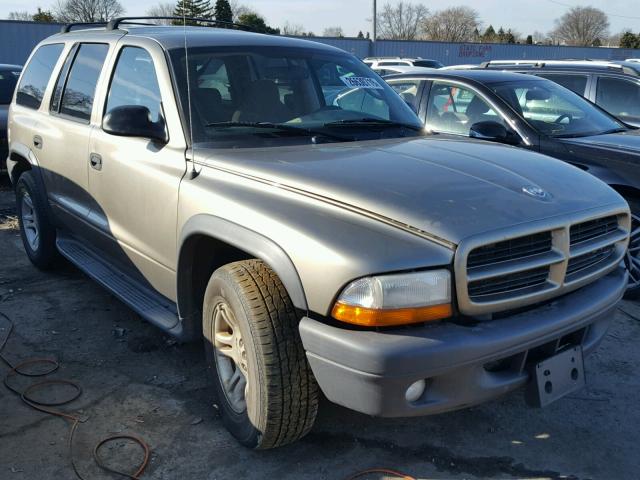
370	371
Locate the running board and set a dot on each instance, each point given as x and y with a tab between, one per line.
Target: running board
149	304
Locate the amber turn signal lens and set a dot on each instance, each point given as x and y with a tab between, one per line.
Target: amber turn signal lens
368	317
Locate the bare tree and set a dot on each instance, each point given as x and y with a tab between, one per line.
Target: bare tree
293	29
87	10
164	9
26	16
333	32
582	26
539	37
401	21
455	24
239	9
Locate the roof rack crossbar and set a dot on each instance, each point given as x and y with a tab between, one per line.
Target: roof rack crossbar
113	24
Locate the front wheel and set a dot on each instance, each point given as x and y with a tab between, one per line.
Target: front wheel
632	258
264	385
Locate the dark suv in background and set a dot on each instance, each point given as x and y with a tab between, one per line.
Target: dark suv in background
8	78
535	114
613	85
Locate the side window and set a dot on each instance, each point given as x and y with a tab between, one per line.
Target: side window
453	109
408	90
575	83
77	97
36	76
619	97
135	82
62	77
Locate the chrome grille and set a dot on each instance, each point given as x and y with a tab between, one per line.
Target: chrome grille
509	283
498	271
585	231
590	259
510	249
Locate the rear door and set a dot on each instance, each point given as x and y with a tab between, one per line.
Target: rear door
63	130
136	183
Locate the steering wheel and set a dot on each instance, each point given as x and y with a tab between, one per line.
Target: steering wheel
562	117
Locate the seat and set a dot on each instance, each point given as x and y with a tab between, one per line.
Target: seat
208	102
262	104
476	110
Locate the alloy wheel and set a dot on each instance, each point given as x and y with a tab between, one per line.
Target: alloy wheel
29	221
231	357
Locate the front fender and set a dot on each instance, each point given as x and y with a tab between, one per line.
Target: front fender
244	239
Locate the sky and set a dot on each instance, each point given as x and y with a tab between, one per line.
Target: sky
525	16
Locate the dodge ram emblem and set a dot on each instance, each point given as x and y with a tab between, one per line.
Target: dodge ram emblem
535	191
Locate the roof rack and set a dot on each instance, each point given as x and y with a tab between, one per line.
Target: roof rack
603	63
67	27
113	24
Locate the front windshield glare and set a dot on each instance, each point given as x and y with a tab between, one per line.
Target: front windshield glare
257	96
553	110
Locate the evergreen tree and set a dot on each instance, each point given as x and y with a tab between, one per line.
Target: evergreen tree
502	37
256	23
360	34
44	16
192	8
489	34
529	39
629	40
510	37
222	11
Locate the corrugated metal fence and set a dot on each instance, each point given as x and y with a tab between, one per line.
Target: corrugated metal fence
17	39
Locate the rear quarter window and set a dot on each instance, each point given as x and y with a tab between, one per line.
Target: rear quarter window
37	74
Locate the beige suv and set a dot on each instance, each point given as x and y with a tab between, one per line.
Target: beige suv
276	198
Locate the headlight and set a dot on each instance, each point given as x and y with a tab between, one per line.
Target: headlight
395	299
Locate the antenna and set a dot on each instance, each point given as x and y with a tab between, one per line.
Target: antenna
194	172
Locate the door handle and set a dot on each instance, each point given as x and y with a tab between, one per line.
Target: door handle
37	141
95	161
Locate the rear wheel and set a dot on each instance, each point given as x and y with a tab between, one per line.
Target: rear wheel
632	258
36	229
264	385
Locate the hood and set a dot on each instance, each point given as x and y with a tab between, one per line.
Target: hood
449	188
625	142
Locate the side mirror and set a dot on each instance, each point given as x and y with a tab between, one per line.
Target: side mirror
493	132
134	121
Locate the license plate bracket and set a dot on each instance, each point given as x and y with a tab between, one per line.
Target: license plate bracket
556	377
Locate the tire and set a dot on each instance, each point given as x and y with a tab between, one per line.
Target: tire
632	260
33	217
280	393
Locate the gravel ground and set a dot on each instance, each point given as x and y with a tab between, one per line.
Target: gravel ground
137	380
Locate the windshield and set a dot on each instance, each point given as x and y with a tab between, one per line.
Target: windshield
259	96
555	111
8	80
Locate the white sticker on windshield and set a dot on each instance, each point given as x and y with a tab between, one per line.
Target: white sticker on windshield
361	82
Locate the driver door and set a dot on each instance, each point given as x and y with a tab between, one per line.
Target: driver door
135	181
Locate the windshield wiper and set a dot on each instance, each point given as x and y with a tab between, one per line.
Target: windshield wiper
366	122
306	132
614	130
